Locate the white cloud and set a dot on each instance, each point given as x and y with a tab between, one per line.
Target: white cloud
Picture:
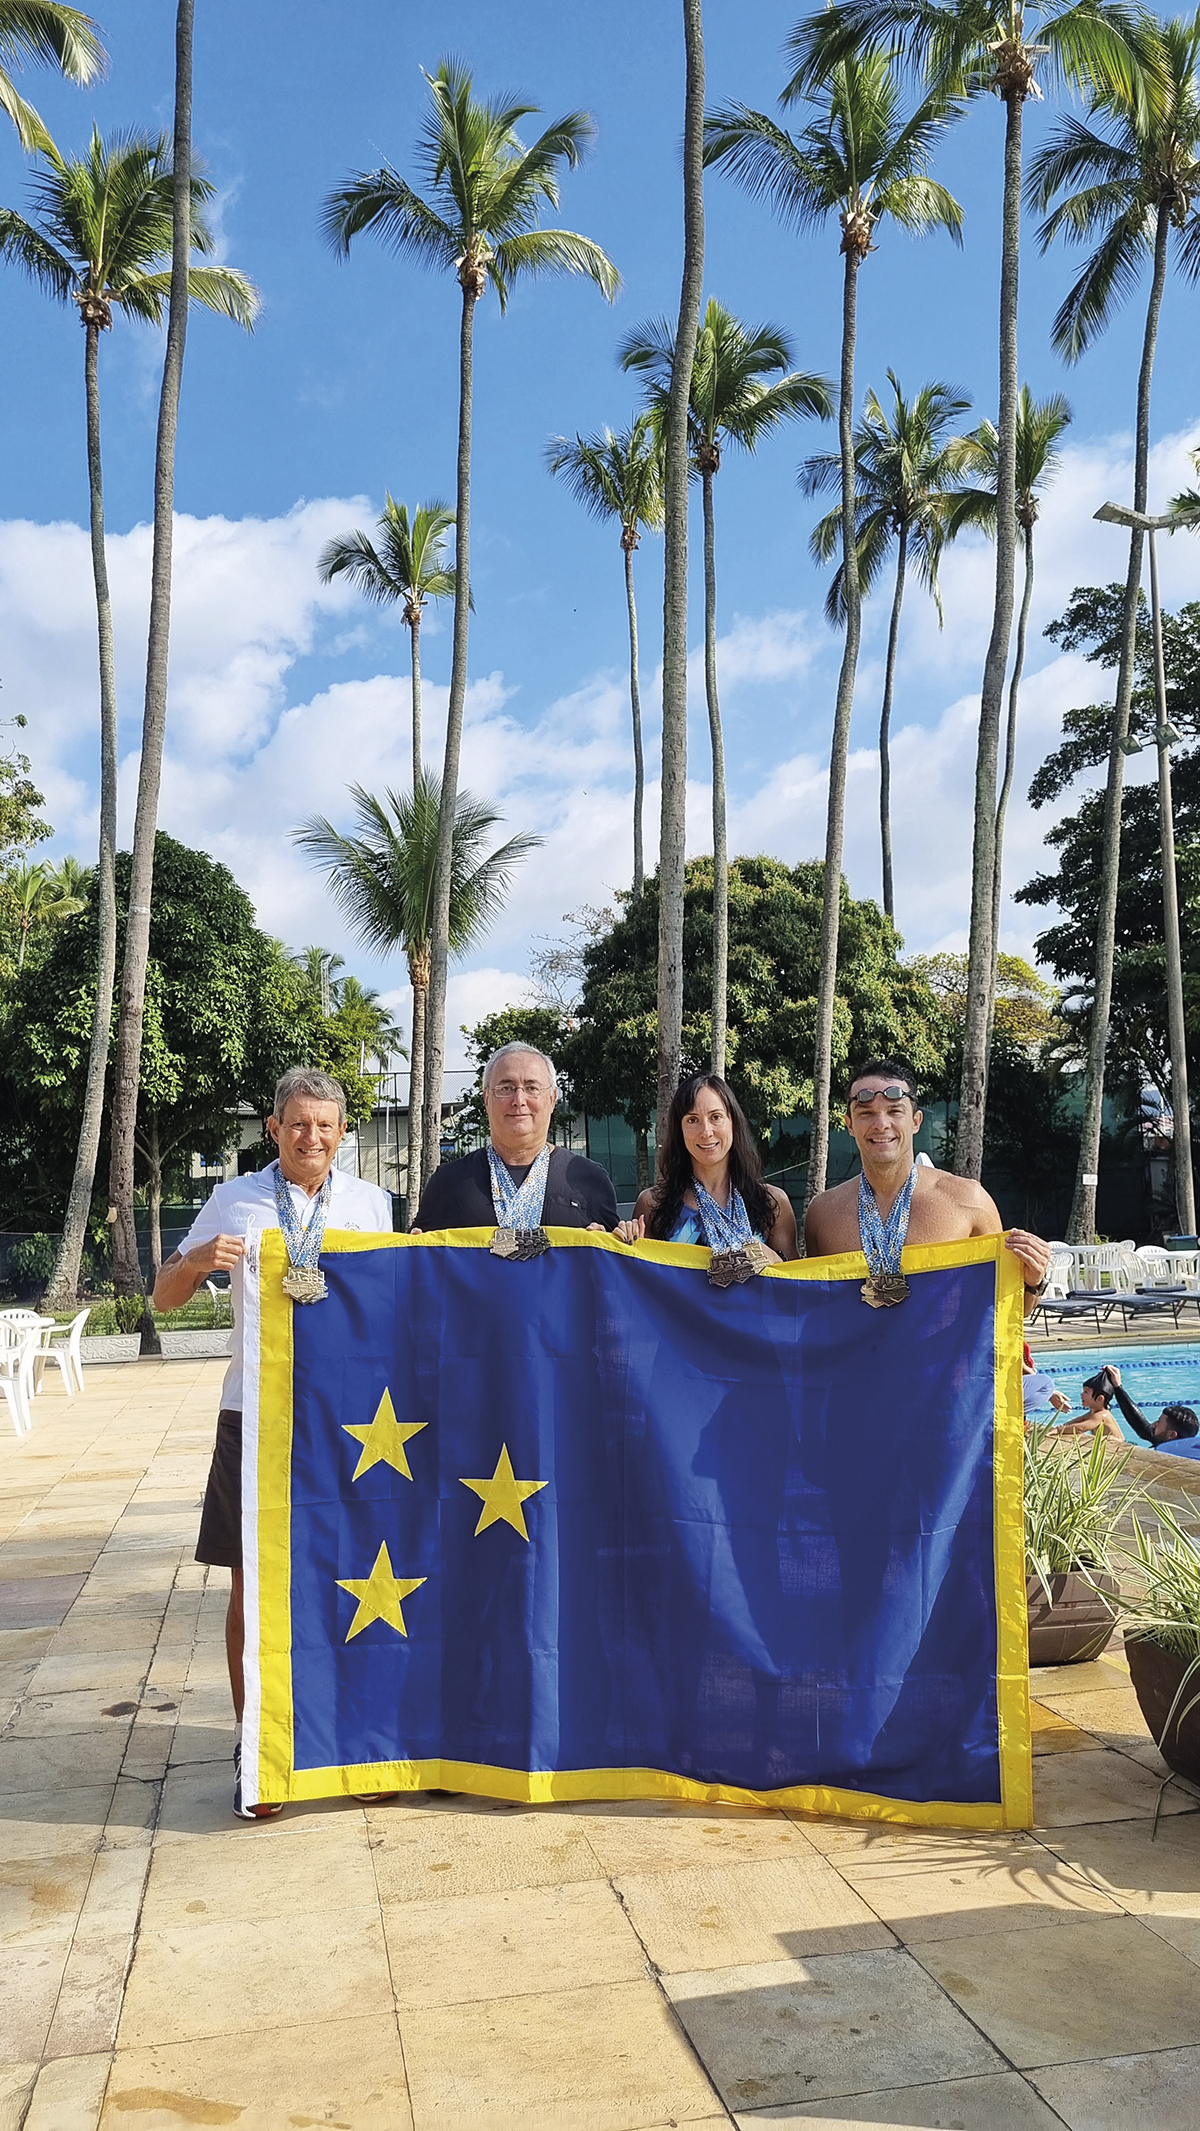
248	757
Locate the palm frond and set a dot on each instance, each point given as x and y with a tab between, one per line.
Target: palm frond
382	201
26	247
555	251
62	37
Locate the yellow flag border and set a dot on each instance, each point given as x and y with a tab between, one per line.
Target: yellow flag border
280	1781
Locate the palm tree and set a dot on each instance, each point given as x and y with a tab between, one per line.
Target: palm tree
1138	177
409	564
729	403
57	36
966	48
383	877
486	192
99	238
1040	424
38	896
863	162
620	476
672	830
905	471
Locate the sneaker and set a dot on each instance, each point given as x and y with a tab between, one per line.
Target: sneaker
247	1812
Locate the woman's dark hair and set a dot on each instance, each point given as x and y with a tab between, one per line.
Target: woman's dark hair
675	1163
1182	1420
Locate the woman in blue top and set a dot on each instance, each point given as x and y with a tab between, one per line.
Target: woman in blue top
710	1184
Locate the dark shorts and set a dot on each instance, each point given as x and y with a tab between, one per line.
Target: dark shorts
220	1541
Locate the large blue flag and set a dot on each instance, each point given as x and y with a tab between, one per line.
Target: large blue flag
587	1527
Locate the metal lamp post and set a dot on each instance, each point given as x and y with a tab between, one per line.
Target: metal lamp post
1164	734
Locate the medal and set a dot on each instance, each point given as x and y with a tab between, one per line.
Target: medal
732	1268
518	1209
304	1284
303	1280
519	1244
883	1290
883	1243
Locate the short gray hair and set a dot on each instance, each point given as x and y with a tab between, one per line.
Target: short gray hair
520	1050
305	1080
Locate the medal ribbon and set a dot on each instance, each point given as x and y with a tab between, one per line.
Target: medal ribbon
518	1205
883	1241
303	1243
725	1228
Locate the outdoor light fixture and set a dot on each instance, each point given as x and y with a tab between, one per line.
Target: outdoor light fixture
1130	746
1168	735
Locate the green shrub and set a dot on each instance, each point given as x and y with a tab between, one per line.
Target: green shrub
1073	1503
102	1320
129	1311
31	1262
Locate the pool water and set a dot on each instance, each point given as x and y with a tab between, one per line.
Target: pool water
1154	1376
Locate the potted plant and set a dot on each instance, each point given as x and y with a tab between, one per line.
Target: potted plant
1162	1639
1074	1500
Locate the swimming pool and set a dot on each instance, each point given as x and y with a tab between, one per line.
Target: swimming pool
1154	1376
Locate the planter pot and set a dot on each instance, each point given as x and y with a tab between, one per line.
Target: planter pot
1156	1674
111	1346
1075	1623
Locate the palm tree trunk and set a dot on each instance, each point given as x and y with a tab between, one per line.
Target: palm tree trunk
635	705
64	1281
435	1032
673	824
720	949
127	1278
1082	1225
415	631
835	822
418	970
153	1150
642	1159
981	976
885	723
1010	764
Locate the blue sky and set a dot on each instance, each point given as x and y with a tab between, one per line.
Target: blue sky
349	387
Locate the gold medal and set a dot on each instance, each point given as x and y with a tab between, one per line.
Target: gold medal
884	1290
732	1268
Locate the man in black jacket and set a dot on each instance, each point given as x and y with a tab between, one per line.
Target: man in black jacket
519	1093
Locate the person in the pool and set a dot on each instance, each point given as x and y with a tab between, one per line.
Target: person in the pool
1174	1424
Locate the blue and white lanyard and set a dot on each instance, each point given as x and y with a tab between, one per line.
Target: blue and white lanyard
303	1243
518	1205
883	1241
725	1228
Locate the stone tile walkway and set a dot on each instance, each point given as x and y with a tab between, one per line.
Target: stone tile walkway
461	1963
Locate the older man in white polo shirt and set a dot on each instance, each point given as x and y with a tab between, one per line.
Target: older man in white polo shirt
307	1124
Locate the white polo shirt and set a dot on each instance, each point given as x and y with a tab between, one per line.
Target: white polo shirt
247	1203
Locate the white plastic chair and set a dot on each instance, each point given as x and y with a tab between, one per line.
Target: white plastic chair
17	1348
60	1343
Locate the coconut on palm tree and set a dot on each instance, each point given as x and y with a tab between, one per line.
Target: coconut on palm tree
730	402
99	238
862	162
966	48
1131	177
1040	424
620	476
906	470
383	876
406	561
479	219
61	37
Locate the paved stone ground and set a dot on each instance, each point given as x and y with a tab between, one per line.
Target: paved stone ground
477	1965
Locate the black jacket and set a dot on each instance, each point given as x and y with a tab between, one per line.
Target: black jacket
459	1194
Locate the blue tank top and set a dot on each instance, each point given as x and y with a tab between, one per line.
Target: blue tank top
689	1228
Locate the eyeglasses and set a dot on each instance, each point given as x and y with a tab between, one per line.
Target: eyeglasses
862	1098
507	1090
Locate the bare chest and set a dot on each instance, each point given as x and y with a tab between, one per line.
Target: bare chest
935	1217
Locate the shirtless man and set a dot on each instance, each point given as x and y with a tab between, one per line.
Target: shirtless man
883	1116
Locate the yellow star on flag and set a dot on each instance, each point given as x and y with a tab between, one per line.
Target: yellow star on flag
383	1442
379	1595
503	1495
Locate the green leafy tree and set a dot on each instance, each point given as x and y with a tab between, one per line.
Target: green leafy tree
731	402
543	1028
1040	424
227	1011
905	472
1130	179
861	163
20	823
967	48
774	970
384	877
54	36
406	561
479	217
100	240
620	476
